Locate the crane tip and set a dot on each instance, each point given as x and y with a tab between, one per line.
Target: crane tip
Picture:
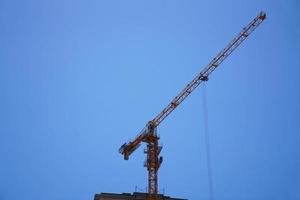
262	15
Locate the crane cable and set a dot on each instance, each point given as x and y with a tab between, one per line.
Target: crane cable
207	145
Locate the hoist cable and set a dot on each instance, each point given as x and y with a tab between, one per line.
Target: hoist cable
207	145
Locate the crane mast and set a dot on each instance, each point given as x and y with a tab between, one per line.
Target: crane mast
149	132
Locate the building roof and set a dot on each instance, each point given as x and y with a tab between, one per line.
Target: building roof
129	196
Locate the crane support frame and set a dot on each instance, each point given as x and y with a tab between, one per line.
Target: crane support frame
149	132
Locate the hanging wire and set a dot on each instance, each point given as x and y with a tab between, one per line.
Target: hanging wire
138	189
207	144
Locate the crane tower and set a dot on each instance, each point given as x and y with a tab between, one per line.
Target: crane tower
149	133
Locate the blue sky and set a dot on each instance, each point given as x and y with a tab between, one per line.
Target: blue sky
80	78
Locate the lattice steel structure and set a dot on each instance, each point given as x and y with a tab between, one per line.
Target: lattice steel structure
149	132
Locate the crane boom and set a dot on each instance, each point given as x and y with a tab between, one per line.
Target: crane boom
127	149
203	75
149	134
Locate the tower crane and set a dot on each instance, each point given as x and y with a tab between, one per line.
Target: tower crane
149	133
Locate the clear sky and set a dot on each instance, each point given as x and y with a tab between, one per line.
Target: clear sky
80	78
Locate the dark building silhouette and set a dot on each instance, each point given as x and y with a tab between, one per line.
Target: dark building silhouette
129	196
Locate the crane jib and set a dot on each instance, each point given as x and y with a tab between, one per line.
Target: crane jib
202	76
246	31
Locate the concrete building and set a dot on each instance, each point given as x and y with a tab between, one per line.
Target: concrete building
129	196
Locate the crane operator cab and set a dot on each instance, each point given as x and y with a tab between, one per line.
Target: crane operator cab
151	127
